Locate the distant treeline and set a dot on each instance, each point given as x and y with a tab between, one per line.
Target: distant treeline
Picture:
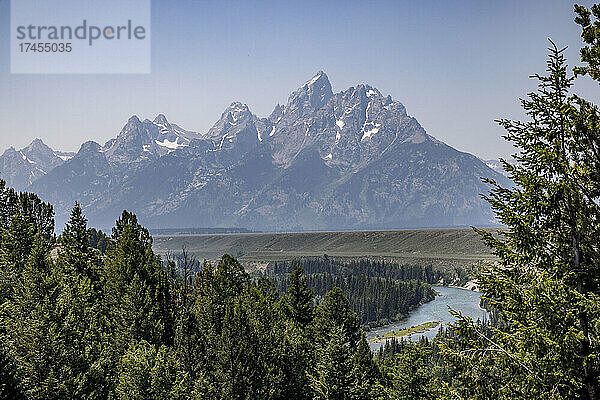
197	231
381	269
379	292
376	301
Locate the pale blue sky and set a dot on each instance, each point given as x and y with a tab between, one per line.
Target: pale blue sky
455	65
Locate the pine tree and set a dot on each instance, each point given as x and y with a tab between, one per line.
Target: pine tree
332	378
52	324
299	298
333	313
136	286
17	242
590	33
31	332
546	285
239	335
148	372
75	254
136	294
366	377
28	205
98	240
296	350
412	373
9	384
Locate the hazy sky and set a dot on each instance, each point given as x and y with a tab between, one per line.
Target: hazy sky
455	65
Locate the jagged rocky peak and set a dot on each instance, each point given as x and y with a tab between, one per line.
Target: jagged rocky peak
89	147
361	94
140	141
233	119
160	120
37	146
313	95
368	91
133	120
10	151
20	168
37	143
133	124
236	129
365	92
236	112
135	131
276	114
171	136
15	169
40	153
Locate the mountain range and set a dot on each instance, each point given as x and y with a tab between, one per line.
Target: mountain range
323	161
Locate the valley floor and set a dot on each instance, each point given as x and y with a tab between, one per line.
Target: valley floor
445	247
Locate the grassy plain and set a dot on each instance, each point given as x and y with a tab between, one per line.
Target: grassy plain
437	247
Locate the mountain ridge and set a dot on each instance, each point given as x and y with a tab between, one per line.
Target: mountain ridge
20	168
323	160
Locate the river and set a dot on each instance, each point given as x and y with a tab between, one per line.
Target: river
465	301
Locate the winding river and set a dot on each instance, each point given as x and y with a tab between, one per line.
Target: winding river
463	300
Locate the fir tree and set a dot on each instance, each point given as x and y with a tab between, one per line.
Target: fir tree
299	298
9	384
590	33
546	285
136	293
332	377
366	377
75	252
335	313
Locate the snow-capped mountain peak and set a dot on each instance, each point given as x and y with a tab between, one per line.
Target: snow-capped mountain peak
236	129
20	168
353	159
311	96
140	141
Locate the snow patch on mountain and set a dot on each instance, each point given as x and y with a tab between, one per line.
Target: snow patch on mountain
171	145
65	156
369	133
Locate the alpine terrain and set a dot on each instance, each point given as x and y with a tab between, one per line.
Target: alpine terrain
323	161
